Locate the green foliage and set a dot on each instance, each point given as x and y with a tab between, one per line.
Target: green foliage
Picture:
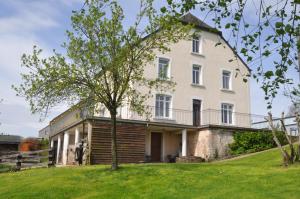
44	144
248	142
105	60
5	168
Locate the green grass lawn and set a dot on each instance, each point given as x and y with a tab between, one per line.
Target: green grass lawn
257	176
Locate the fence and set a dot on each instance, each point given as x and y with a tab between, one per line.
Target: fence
16	161
178	116
227	118
205	117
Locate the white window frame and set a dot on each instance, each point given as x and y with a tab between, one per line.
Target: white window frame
199	74
196	40
164	103
229	80
168	74
227	114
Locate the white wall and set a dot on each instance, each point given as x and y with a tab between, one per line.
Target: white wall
213	60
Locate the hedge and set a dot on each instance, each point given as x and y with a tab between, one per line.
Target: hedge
249	142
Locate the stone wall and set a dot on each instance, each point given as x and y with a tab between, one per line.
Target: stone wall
210	144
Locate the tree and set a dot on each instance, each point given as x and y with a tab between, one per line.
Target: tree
104	61
264	32
293	109
291	156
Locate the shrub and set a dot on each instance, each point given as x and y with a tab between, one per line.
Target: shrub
248	142
5	168
44	144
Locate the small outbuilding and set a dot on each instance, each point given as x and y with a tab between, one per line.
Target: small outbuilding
9	143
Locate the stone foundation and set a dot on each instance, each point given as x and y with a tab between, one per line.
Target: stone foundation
210	144
189	159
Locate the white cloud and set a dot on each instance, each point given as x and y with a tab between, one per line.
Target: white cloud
11	49
26	22
20	29
72	2
29	16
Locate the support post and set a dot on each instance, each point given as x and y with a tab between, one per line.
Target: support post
51	143
65	148
77	136
58	148
89	142
19	162
184	143
51	157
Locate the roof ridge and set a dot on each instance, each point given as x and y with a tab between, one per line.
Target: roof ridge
192	19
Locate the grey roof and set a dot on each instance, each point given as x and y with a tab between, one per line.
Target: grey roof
10	139
191	19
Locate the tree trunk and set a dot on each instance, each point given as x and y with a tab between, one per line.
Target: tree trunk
284	154
293	154
114	154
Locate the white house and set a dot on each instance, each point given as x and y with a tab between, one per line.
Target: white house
209	103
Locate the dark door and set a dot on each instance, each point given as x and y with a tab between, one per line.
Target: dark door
196	112
155	147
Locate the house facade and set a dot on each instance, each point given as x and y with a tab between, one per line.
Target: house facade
197	119
45	132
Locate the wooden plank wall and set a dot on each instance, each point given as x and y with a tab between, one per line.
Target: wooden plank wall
130	141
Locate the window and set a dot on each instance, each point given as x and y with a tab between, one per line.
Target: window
196	74
226	78
227	113
163	68
163	106
196	44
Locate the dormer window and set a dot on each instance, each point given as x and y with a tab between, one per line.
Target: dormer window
196	44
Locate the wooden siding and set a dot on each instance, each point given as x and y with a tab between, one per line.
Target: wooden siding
130	142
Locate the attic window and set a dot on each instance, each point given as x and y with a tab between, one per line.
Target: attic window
196	44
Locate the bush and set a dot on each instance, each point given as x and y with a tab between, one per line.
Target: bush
5	168
44	144
249	142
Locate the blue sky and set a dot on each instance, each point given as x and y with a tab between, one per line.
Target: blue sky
24	23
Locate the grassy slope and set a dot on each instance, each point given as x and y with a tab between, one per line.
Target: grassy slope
258	176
